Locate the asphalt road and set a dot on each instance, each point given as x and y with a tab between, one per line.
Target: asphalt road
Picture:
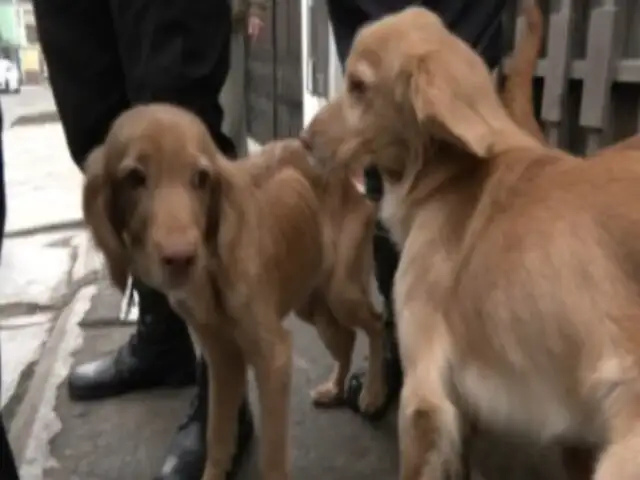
31	100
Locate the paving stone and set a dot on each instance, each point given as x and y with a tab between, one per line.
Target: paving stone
21	340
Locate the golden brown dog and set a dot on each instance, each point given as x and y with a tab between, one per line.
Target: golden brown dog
236	246
517	290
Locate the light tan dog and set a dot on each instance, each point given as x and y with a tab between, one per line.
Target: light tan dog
236	246
517	290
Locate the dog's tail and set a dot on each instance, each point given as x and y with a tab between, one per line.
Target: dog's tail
517	93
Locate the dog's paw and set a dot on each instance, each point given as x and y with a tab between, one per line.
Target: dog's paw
356	389
327	395
372	399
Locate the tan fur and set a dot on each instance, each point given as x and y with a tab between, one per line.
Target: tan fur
517	93
517	291
237	246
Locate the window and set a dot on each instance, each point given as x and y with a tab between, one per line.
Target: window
31	33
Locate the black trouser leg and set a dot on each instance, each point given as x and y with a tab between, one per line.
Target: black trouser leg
103	57
8	466
176	51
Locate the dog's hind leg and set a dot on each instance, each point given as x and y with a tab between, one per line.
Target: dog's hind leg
355	310
339	341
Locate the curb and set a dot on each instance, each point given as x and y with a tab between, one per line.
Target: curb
34	421
42	229
37	118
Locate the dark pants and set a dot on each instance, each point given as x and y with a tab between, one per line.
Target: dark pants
479	22
8	470
104	56
8	467
476	21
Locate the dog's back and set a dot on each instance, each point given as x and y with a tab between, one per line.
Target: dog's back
546	294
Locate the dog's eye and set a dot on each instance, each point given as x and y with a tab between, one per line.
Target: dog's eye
356	86
135	178
200	179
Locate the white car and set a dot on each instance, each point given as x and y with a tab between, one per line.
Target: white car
9	76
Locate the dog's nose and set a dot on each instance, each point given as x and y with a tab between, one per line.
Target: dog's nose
179	259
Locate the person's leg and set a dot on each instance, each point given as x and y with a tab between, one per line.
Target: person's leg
178	52
233	96
86	77
8	465
345	18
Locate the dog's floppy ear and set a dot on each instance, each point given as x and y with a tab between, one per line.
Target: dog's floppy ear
214	207
211	163
96	204
438	106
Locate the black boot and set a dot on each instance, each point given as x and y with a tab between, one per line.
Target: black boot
187	451
386	262
159	353
7	461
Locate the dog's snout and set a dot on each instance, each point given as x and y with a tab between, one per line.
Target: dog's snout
178	259
181	257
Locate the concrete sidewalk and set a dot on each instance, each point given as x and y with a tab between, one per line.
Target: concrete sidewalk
45	261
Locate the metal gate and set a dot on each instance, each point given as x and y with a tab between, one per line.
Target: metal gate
274	75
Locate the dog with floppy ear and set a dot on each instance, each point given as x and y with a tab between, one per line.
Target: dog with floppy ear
516	293
236	246
234	258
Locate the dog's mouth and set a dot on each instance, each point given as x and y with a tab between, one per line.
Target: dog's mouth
307	146
178	274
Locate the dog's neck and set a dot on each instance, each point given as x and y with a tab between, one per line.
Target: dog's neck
455	181
432	176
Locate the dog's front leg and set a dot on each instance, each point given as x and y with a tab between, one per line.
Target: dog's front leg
273	375
429	424
227	386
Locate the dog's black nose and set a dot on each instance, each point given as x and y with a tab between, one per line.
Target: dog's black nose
178	260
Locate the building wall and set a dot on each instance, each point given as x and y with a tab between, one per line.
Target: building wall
9	24
31	60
